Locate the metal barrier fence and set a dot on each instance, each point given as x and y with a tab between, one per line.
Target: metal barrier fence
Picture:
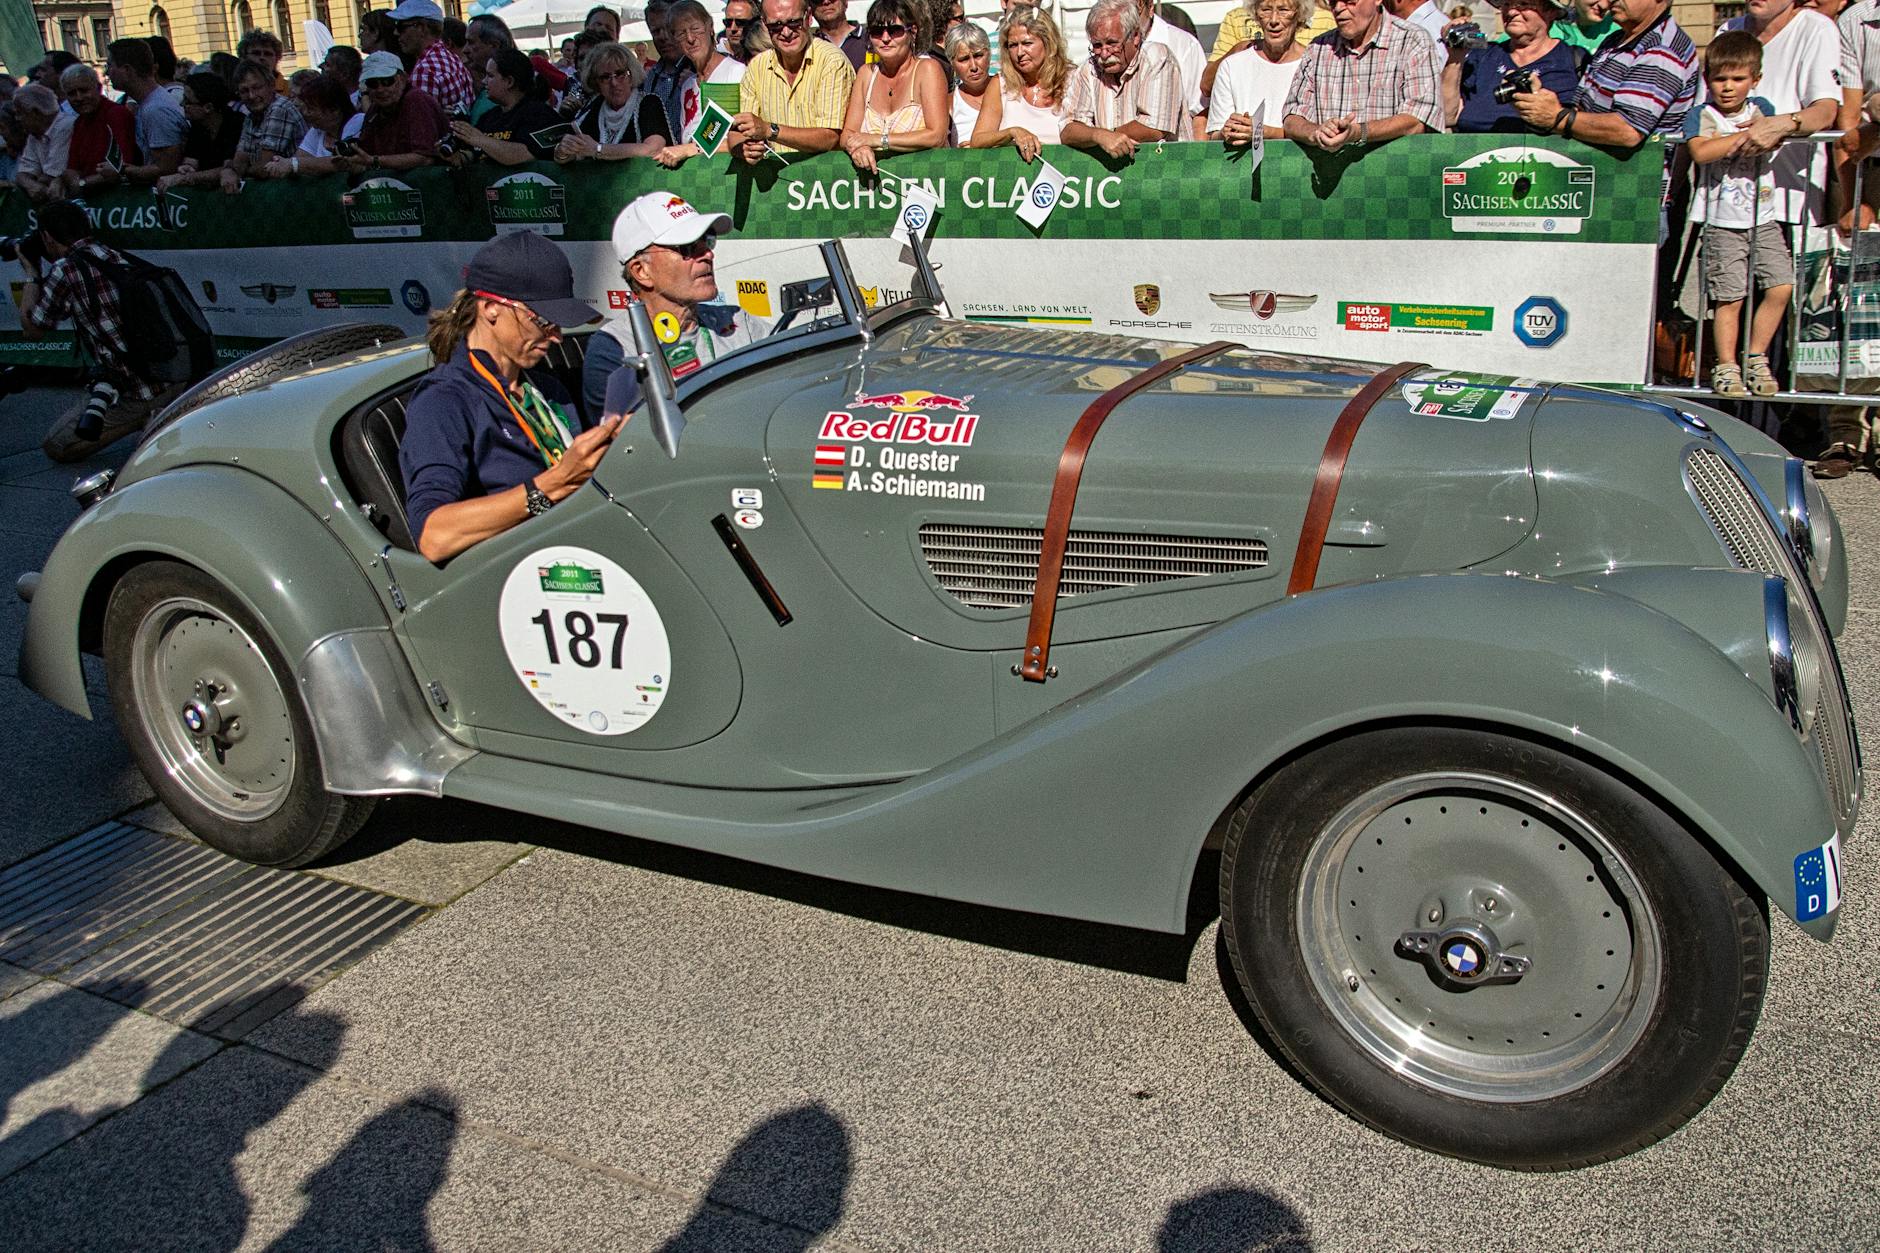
1842	268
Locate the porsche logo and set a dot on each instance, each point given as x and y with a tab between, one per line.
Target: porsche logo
1148	298
208	290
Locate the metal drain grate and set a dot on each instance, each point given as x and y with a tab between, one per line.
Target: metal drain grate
184	932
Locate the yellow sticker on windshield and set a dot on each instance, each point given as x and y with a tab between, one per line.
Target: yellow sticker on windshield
666	327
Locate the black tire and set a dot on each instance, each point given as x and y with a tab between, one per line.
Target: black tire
251	785
1681	986
291	355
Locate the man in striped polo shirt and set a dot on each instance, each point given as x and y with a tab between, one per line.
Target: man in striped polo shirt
1641	82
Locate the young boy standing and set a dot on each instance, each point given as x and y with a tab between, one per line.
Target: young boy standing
1736	198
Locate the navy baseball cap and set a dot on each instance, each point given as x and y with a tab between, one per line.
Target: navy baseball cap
528	269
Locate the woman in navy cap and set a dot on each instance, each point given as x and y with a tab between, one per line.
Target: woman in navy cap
487	446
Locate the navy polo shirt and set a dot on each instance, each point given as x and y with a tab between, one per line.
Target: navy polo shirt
461	441
1482	69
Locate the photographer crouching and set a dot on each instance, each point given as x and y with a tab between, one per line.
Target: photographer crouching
69	275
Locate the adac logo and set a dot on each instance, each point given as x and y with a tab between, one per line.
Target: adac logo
1263	304
910	401
208	290
270	292
416	297
1148	299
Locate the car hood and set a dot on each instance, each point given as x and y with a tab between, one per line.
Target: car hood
924	470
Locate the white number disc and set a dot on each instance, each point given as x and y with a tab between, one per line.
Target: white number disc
584	638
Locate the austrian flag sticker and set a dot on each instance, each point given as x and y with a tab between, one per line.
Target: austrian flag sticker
829	460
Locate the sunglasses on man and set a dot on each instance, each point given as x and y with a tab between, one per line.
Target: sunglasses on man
787	26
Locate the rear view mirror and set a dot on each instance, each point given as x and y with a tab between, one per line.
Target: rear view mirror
656	385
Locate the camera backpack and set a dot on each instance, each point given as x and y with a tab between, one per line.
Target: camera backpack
169	339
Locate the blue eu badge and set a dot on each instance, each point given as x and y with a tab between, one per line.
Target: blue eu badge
1818	881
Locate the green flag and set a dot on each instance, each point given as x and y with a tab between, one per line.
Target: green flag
20	49
713	125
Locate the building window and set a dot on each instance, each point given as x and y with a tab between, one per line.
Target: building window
244	18
100	36
284	25
160	23
68	36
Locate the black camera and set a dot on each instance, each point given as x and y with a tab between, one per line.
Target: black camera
1465	37
29	246
346	148
1515	82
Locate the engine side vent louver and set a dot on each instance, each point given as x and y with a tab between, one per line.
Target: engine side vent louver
996	567
1733	513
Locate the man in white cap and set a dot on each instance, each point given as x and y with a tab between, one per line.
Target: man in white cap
664	246
435	70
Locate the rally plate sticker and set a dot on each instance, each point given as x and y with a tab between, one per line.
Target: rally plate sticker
585	640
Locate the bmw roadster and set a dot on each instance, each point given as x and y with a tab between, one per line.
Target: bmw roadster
1514	708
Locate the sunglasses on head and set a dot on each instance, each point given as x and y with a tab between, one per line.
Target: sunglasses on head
786	26
888	30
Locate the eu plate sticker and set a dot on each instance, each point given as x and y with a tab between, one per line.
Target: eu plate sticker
1818	881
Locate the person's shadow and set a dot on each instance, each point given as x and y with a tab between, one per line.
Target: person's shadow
1232	1220
374	1191
36	1043
790	1176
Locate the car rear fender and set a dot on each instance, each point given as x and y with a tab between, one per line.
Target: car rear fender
252	537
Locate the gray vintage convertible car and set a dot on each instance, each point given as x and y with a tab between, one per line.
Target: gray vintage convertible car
1513	709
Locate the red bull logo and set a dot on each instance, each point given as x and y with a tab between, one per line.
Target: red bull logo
900	428
910	401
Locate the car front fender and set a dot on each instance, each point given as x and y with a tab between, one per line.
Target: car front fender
249	535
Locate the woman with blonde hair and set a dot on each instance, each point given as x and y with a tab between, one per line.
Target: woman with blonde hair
899	101
1027	111
619	120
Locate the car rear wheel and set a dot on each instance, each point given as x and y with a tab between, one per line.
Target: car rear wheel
1489	948
209	709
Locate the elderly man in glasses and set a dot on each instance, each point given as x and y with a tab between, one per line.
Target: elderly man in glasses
795	96
664	246
436	71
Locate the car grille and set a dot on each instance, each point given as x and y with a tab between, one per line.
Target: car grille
1752	541
996	567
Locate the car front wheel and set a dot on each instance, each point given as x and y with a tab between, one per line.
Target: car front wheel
209	709
1489	948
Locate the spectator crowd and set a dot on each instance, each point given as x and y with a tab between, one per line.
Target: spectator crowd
798	77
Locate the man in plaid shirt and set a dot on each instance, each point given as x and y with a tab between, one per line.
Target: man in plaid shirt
118	399
435	70
1370	79
1128	92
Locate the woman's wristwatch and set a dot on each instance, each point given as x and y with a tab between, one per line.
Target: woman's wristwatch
539	503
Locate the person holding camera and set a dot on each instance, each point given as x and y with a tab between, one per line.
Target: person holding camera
1481	79
67	277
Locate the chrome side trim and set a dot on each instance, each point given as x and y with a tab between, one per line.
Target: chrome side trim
374	729
1782	652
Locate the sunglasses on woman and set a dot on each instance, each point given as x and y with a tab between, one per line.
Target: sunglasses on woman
888	30
529	315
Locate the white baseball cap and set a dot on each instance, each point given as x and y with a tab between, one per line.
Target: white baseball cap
659	217
380	64
418	8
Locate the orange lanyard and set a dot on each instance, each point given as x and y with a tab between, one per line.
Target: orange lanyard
549	455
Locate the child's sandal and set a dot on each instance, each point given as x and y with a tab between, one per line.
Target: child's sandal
1727	380
1757	376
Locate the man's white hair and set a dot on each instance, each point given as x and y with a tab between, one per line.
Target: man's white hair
36	98
78	72
1124	11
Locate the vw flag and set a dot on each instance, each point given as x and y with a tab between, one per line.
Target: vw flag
1042	197
918	205
1818	881
1256	149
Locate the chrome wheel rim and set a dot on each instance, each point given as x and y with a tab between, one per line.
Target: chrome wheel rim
212	707
1435	852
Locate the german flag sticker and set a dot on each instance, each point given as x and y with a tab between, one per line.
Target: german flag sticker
827	478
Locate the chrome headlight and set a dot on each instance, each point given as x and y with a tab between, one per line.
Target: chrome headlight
1795	664
1805	516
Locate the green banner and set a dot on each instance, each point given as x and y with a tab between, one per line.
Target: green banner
1189	191
20	46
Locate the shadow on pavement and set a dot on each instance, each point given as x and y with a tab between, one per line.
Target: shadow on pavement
1125	949
1232	1220
374	1191
790	1175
